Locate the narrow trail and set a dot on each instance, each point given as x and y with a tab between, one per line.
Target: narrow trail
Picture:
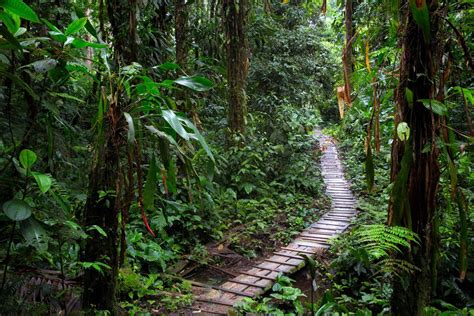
217	300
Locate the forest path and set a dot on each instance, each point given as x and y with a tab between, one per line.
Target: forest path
217	300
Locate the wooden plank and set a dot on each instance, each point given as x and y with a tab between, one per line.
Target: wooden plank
344	213
208	312
316	238
349	211
320	231
344	197
299	250
309	244
282	262
336	229
220	288
325	243
342	204
258	276
338	216
269	269
332	223
322	226
246	283
317	235
217	302
283	254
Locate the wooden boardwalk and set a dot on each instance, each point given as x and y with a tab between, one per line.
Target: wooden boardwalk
217	300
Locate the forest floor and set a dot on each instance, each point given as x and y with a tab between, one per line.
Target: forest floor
218	287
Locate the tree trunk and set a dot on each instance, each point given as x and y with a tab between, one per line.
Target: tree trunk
99	287
415	169
104	197
123	22
347	53
235	20
181	20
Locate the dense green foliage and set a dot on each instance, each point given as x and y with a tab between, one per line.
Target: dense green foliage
93	86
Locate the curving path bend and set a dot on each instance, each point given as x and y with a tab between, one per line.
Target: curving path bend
218	300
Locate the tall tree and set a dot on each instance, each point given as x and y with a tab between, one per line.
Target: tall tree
181	22
235	20
103	201
415	169
347	50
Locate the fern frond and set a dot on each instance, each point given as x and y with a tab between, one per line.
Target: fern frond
381	240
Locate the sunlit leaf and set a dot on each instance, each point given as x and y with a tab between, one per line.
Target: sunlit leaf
8	21
20	8
196	83
79	43
44	181
98	229
171	118
75	26
27	158
403	131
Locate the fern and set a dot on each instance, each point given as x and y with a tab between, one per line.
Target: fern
381	241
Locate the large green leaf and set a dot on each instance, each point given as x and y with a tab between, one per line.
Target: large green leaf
19	8
17	210
79	43
196	83
150	185
9	37
168	66
27	158
75	26
34	234
44	181
434	105
89	27
8	21
175	123
198	136
164	135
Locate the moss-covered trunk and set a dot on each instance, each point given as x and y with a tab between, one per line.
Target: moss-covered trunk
235	20
415	167
104	194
